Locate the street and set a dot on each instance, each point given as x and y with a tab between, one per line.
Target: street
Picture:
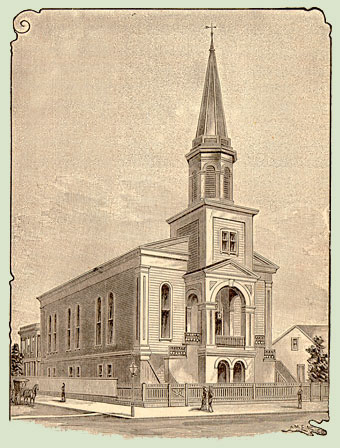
219	426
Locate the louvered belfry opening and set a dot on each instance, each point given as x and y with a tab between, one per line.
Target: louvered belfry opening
227	183
210	182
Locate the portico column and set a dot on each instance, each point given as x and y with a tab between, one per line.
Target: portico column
250	326
268	314
208	327
231	374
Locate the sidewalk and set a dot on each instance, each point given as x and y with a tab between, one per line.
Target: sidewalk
232	409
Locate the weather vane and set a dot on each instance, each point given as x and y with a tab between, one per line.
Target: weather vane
211	34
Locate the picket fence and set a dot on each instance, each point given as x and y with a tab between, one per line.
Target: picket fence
159	395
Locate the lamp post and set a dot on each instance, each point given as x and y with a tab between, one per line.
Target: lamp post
133	370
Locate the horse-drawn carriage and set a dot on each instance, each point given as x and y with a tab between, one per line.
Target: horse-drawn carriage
19	391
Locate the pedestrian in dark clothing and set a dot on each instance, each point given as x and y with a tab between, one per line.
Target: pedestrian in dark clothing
299	394
63	397
210	399
204	399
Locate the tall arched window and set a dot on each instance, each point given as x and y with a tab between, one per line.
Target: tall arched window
77	326
194	186
68	331
210	182
110	319
165	311
227	183
99	321
49	334
192	314
55	333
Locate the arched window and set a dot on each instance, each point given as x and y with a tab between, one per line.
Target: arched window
192	314
110	318
99	321
210	182
227	183
68	331
194	186
77	326
55	333
165	311
49	334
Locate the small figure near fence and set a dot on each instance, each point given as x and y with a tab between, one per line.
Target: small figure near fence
204	399
299	395
63	396
210	399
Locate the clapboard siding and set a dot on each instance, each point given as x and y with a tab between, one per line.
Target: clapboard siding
157	276
234	226
259	310
192	231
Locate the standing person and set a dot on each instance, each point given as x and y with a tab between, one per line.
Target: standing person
204	399
210	399
63	397
299	394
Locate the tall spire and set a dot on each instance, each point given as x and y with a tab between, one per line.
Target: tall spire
211	119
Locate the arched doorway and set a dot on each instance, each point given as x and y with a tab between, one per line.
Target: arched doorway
223	372
230	316
239	372
192	318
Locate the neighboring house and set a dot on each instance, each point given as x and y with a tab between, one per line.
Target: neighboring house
196	307
291	348
30	348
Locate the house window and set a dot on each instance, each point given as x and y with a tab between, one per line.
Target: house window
54	371
109	370
38	345
55	333
110	318
70	371
99	321
229	242
68	331
165	312
78	326
295	344
49	333
48	371
78	371
210	182
227	183
28	346
100	370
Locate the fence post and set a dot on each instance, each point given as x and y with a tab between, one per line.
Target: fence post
143	393
186	394
169	394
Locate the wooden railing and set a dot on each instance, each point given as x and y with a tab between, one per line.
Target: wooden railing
154	395
260	340
178	350
192	338
230	341
269	353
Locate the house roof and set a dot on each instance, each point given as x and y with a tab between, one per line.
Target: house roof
308	330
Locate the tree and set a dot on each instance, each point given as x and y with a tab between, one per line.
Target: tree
16	361
318	361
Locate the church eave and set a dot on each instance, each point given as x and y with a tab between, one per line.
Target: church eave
218	149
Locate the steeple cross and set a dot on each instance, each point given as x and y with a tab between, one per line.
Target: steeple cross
211	34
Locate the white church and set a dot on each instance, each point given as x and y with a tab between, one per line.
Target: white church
194	308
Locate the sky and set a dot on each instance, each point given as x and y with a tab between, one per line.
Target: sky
105	106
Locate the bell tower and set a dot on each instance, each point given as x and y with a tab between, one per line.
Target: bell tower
211	158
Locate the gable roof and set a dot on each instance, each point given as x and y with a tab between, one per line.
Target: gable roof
237	268
263	264
310	331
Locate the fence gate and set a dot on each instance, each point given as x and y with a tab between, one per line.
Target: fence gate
176	395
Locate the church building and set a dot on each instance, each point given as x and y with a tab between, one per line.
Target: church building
194	308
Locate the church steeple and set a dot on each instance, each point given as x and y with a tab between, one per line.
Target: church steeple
211	158
211	120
